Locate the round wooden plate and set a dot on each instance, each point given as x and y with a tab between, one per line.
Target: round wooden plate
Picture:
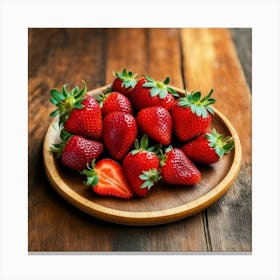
164	203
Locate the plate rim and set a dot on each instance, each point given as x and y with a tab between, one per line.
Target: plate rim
141	218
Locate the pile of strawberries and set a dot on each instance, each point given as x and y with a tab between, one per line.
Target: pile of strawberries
98	133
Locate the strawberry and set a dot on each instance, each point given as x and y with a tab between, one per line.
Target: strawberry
124	82
156	122
148	93
113	102
107	179
119	133
208	148
177	169
191	116
76	151
141	167
79	113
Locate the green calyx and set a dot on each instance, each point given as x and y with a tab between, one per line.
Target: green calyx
143	146
159	88
91	175
66	101
101	98
58	148
128	78
163	157
200	107
220	143
149	177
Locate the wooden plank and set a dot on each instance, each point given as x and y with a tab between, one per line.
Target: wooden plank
126	48
57	56
211	61
242	38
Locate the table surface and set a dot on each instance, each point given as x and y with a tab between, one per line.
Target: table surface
194	59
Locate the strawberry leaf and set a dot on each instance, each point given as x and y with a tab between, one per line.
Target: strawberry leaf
53	101
56	95
91	175
166	81
148	84
149	177
196	96
228	146
158	87
129	80
66	101
172	91
200	107
64	90
144	142
162	94
203	112
155	91
198	111
220	143
54	113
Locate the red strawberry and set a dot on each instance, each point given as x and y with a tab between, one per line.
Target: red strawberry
107	179
148	93
177	169
114	102
119	133
156	122
80	113
208	148
141	168
124	82
191	116
76	151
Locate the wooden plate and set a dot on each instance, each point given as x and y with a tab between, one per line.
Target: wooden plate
164	203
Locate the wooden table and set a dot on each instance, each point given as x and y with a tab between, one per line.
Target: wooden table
193	58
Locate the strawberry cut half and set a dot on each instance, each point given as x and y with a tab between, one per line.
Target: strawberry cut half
107	179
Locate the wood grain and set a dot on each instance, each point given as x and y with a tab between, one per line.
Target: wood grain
222	71
57	56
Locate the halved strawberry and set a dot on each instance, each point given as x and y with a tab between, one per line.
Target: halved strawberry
114	102
124	82
107	179
79	113
177	169
76	151
191	115
148	93
208	148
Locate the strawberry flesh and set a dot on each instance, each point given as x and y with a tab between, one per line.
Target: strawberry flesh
111	180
